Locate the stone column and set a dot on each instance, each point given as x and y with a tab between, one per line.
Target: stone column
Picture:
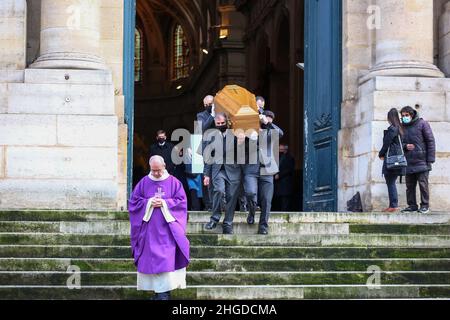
13	16
404	41
444	40
70	35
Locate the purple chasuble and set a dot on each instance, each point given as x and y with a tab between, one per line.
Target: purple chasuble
158	246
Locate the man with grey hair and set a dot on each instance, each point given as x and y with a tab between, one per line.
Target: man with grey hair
158	220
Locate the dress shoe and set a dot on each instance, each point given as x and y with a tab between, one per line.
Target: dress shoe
162	296
228	230
263	231
251	218
211	225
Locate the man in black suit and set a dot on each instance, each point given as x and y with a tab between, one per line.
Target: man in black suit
222	171
284	182
206	119
163	148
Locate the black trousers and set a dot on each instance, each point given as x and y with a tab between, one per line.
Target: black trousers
412	180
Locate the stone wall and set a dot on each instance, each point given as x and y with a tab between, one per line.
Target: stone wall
59	127
372	88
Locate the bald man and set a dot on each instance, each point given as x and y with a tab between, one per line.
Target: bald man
158	218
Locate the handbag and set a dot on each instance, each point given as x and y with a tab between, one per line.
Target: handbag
397	161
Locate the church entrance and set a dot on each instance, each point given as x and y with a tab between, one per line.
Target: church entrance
177	52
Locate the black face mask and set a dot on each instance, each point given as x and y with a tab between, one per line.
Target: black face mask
161	140
209	108
222	128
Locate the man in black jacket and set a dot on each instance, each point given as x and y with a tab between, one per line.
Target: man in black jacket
206	119
420	152
163	148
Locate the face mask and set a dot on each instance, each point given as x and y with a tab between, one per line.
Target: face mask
406	120
161	140
209	108
222	128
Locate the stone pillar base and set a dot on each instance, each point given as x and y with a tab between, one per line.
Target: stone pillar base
403	69
69	60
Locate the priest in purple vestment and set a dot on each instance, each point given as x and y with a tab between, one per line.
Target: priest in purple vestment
158	218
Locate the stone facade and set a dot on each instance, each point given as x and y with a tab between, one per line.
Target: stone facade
391	65
63	137
61	116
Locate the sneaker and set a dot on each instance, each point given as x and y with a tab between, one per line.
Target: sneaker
424	210
409	210
391	210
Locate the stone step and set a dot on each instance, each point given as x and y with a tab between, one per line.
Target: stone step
230	292
233	240
230	278
224	265
123	228
203	217
211	252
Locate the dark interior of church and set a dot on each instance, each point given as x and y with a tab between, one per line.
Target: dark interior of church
187	49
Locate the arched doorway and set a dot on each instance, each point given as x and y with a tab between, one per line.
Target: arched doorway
312	129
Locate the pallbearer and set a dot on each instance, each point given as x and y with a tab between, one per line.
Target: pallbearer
158	218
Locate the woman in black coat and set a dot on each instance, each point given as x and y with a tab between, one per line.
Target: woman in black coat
392	143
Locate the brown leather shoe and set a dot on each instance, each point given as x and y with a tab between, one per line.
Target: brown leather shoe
392	210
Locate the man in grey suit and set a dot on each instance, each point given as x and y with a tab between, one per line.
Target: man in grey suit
268	169
222	171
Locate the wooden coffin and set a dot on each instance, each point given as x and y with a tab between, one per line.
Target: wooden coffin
240	106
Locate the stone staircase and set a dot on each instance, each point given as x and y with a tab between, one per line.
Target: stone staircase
305	256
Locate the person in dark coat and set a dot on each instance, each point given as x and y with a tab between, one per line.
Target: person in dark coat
206	118
392	146
163	148
284	183
420	151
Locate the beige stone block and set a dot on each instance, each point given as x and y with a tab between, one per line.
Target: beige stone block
441	132
13	8
355	6
432	104
12	28
80	77
123	139
120	108
2	161
112	26
58	194
440	169
87	131
62	163
417	84
122	197
117	74
111	51
447	106
27	130
11	76
3	98
61	99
